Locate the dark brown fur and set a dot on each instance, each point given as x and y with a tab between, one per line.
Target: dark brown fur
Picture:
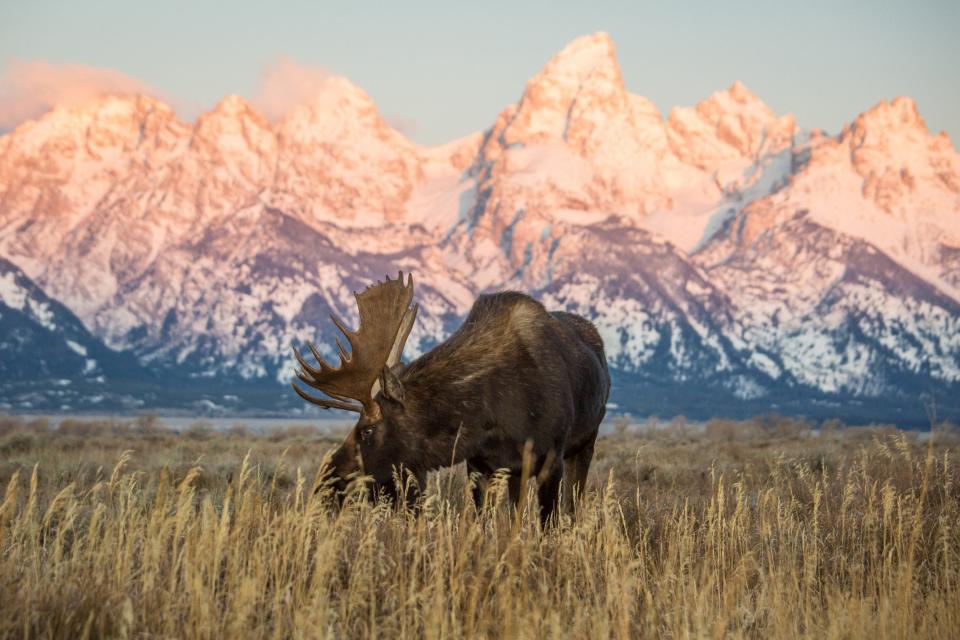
511	374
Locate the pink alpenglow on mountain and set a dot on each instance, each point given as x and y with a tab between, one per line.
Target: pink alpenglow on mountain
726	255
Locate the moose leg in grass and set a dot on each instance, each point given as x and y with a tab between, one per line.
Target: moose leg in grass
513	382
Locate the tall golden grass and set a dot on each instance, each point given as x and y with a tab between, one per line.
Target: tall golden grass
723	533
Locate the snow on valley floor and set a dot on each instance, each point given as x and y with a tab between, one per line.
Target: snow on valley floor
325	426
338	427
185	423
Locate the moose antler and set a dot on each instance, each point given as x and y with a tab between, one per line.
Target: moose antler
386	319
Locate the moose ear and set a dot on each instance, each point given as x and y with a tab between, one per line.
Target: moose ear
390	385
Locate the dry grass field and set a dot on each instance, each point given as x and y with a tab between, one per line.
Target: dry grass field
757	529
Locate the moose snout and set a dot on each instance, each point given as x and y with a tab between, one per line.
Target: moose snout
338	484
344	468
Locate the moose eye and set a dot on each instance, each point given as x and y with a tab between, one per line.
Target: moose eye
366	434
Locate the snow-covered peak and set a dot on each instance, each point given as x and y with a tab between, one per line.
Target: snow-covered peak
582	82
118	122
899	113
884	179
233	127
232	154
728	125
339	109
234	106
735	98
339	161
892	136
57	168
582	57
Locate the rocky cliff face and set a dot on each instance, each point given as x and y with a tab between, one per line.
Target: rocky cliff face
731	261
50	360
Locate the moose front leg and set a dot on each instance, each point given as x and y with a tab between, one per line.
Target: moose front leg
415	488
480	483
406	489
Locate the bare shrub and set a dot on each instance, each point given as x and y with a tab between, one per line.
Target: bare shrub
238	431
199	430
81	427
788	427
730	430
830	428
17	441
38	425
946	432
292	432
148	422
620	424
9	424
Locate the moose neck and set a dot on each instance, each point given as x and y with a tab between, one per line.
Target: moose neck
447	411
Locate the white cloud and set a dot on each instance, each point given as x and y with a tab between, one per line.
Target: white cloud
404	124
29	88
285	84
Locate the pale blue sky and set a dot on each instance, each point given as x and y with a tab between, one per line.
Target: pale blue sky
451	66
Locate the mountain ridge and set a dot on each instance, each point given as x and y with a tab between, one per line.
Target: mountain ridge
208	249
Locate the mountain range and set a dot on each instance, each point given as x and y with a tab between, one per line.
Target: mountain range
733	262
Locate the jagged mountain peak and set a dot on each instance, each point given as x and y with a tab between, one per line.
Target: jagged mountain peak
890	132
884	180
76	152
582	81
583	57
107	105
233	106
127	115
893	136
337	107
728	124
739	92
233	124
340	161
736	98
899	113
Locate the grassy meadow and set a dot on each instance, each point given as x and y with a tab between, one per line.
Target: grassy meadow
759	529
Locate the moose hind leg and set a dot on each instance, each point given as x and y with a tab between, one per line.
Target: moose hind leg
567	485
548	492
575	472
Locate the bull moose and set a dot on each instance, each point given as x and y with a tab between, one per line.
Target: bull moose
514	382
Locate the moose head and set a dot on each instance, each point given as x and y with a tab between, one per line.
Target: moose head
366	382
